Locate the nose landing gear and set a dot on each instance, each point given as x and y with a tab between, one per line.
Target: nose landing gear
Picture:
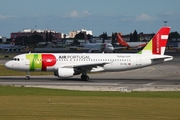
27	76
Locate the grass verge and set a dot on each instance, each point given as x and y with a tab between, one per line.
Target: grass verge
19	103
7	72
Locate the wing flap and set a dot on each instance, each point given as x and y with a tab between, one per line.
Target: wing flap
87	65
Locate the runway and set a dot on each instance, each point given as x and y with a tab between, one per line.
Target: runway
161	77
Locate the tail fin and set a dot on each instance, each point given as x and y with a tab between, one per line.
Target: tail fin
158	43
121	41
86	39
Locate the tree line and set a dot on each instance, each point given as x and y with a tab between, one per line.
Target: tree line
36	38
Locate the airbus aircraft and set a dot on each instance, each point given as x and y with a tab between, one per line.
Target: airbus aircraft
102	47
67	65
133	45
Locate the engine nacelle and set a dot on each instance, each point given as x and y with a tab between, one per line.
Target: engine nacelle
64	72
91	51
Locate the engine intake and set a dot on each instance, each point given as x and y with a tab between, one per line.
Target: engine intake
64	72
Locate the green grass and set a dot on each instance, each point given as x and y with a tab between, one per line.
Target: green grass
19	103
12	90
6	72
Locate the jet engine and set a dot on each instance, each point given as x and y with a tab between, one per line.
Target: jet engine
64	72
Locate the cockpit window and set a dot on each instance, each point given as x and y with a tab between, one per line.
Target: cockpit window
16	59
109	46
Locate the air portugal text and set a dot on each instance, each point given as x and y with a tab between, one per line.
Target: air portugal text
74	57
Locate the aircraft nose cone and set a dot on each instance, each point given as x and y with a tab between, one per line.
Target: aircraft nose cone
8	65
111	49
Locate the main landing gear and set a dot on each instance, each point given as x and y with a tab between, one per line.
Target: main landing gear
84	77
27	76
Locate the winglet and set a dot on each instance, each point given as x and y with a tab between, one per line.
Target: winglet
158	43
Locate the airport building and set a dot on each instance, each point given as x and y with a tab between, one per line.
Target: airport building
43	33
73	33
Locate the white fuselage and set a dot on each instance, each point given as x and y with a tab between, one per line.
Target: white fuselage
107	62
136	44
106	47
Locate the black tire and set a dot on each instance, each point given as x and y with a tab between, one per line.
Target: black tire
87	78
27	77
84	77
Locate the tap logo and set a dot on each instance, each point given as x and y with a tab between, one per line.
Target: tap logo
102	47
41	61
48	60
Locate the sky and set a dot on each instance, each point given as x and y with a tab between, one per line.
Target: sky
100	16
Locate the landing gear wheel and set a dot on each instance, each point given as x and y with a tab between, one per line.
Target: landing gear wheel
84	77
27	77
87	78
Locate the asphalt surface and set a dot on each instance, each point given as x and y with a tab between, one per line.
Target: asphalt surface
161	77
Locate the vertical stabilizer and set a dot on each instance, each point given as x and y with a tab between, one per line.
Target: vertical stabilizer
158	43
121	41
86	39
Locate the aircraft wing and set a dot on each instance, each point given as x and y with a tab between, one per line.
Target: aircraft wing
86	65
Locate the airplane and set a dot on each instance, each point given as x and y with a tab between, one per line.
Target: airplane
102	47
66	65
93	47
133	45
